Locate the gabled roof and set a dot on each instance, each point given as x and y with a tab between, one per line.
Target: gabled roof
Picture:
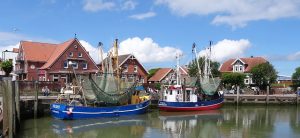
59	50
160	74
36	51
249	63
183	70
123	59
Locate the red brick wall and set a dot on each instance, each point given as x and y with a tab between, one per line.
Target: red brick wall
32	72
59	64
141	71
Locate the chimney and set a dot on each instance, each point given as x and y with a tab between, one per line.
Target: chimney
251	56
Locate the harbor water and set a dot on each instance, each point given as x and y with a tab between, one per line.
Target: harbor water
227	122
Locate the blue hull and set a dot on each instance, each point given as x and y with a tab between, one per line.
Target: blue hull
63	111
191	106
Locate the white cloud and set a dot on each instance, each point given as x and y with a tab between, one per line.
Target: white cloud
294	56
236	13
97	5
147	51
226	49
142	16
93	51
129	5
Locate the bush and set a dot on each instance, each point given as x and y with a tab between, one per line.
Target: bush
7	67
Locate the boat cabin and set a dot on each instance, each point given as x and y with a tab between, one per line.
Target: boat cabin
176	93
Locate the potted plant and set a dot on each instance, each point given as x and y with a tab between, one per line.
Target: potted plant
7	67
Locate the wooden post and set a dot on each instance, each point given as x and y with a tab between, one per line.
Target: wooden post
237	95
36	99
8	104
268	91
17	99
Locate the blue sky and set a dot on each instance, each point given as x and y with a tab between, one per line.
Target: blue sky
155	30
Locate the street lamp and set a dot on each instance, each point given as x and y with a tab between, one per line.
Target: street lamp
3	54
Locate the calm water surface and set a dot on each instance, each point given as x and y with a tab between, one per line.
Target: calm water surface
230	121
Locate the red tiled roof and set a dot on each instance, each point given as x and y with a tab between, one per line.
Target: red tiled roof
160	74
250	63
60	48
36	51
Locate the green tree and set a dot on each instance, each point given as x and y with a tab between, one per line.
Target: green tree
7	67
263	75
233	79
193	68
296	78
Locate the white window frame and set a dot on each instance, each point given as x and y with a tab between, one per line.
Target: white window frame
135	68
71	54
66	64
241	68
55	77
79	54
85	65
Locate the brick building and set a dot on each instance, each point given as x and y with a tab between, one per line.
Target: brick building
167	75
53	62
130	68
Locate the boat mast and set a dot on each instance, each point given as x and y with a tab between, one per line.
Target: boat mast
198	65
178	81
116	58
100	45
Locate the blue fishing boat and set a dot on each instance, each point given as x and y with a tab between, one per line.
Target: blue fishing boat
101	95
63	111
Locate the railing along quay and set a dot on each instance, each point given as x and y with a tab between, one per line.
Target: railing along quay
262	99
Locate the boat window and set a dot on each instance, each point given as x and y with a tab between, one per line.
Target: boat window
167	91
171	92
178	92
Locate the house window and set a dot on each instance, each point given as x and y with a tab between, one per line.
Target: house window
65	64
241	68
75	65
171	92
135	68
71	54
79	54
84	65
246	81
236	68
125	68
55	77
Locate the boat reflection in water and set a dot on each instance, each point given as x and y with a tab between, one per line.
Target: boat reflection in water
191	124
67	127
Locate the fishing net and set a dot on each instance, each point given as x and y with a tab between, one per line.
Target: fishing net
107	88
210	85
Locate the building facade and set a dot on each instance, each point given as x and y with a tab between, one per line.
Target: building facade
131	69
242	65
168	75
53	62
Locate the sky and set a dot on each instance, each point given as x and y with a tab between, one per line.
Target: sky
155	30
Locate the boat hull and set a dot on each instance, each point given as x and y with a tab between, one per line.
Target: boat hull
190	106
63	111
